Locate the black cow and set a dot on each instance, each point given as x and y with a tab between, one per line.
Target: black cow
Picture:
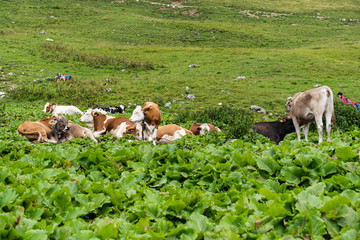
276	130
112	110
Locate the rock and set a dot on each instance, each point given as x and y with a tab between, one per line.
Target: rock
257	109
187	88
167	104
189	96
193	66
50	79
37	80
240	77
42	32
317	85
49	39
2	94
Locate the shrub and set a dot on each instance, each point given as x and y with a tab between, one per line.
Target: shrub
347	116
233	122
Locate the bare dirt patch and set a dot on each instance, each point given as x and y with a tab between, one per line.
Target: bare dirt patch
258	14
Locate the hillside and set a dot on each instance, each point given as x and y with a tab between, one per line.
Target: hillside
253	52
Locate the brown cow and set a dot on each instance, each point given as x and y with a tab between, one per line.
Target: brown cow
202	128
147	119
63	130
169	133
36	131
117	126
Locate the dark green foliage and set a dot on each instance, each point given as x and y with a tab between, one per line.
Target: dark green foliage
233	122
347	116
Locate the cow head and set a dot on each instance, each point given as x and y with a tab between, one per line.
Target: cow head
60	125
49	107
87	117
288	104
138	115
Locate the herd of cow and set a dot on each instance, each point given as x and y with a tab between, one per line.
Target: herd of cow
144	124
302	109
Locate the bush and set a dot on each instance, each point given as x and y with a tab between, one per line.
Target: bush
347	116
233	122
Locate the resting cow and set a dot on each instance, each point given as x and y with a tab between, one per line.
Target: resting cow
275	131
169	133
202	128
64	131
36	131
117	126
112	110
57	109
311	106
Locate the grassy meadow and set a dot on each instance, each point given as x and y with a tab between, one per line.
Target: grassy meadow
146	48
199	187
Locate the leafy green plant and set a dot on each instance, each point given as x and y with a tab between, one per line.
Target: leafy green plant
234	122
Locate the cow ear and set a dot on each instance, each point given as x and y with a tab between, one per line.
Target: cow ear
199	128
94	114
145	109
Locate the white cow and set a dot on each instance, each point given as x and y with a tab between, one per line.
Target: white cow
311	106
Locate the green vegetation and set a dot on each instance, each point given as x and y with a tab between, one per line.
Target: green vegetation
200	187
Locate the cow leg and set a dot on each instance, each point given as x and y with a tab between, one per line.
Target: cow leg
319	124
99	133
328	117
297	128
154	134
306	131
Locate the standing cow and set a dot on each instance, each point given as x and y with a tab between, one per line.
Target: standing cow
311	106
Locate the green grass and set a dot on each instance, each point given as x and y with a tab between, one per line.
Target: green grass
155	43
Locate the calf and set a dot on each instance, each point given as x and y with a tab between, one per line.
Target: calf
112	110
169	133
276	130
147	119
63	131
117	126
56	109
202	128
36	131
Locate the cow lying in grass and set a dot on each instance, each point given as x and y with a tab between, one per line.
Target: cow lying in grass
63	131
169	133
112	110
202	128
57	109
36	131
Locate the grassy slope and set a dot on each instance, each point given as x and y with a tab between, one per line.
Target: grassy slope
278	55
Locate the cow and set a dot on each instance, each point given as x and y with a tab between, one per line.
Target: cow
112	110
169	133
57	109
63	130
36	131
310	106
117	126
276	130
202	128
147	119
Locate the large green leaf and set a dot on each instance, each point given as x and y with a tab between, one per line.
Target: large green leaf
267	164
292	174
346	154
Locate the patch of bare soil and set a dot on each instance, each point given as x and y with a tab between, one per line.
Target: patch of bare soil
258	14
